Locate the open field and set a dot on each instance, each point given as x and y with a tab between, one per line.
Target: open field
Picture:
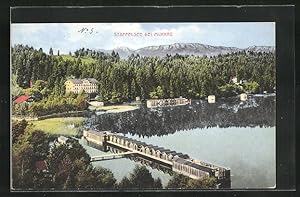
85	60
69	126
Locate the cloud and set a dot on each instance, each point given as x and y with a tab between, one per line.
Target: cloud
71	36
39	35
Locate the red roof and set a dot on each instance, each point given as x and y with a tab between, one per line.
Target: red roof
22	98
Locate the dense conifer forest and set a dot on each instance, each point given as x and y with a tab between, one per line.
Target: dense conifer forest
37	165
147	77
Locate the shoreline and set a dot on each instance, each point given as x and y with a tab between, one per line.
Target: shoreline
118	108
54	115
113	108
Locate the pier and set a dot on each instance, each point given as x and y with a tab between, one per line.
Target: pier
179	162
111	156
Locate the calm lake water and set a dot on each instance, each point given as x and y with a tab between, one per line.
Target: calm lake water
229	133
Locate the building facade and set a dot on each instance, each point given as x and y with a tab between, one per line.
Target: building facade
178	162
167	102
88	85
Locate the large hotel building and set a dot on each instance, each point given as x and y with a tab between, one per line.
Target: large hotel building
88	85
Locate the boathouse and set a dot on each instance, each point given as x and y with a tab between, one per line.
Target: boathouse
211	99
178	162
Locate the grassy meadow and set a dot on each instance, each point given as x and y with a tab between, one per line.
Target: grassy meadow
69	126
85	60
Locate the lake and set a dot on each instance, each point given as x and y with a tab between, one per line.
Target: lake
229	133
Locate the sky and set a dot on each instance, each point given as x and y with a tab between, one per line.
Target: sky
68	37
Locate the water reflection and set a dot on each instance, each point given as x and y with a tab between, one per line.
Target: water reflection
230	112
144	161
139	159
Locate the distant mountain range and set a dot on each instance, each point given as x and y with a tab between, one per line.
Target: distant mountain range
185	49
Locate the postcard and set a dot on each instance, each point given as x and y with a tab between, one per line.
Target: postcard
143	106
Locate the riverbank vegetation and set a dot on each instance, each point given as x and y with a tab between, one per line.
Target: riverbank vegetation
38	165
184	182
51	105
140	178
148	77
258	111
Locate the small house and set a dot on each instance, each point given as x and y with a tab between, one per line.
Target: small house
243	97
234	80
23	98
211	99
62	140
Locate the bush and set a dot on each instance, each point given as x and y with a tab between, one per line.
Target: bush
140	178
184	182
251	87
229	90
58	104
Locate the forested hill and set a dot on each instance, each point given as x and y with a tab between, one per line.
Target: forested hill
147	77
196	49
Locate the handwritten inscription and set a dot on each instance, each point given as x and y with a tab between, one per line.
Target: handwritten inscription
87	30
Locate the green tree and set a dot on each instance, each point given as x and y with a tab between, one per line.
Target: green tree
68	164
251	87
125	183
31	147
16	89
157	93
157	184
141	178
71	169
39	85
18	129
51	51
230	90
184	182
147	77
40	141
203	183
81	101
23	163
177	181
